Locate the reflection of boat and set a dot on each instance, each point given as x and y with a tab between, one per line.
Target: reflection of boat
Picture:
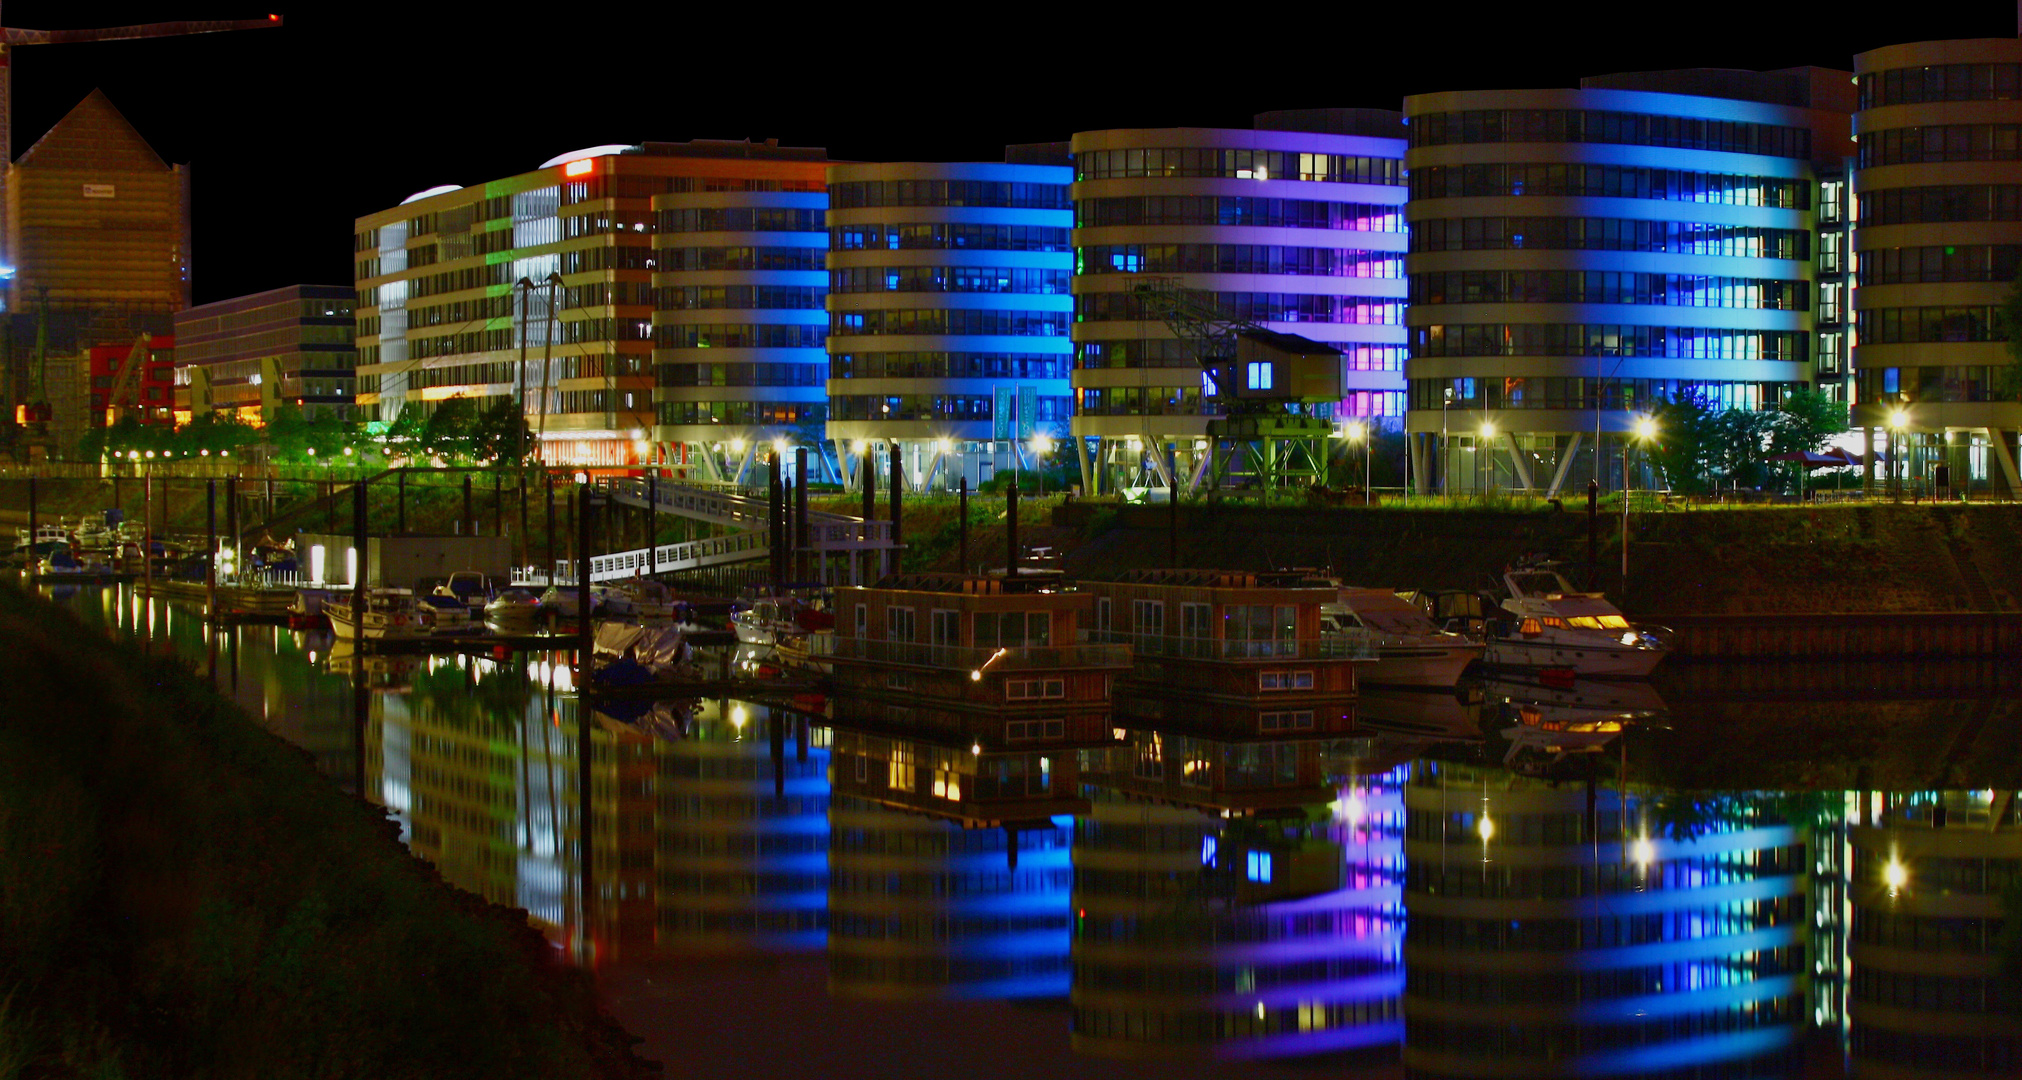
668	721
384	671
1436	714
389	614
1558	627
1594	695
1409	648
1561	731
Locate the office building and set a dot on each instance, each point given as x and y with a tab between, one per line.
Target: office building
252	354
127	380
454	284
1296	226
1582	256
1938	232
949	306
738	326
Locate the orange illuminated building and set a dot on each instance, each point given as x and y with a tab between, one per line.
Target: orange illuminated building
440	309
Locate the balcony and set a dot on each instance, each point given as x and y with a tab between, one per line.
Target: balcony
973	660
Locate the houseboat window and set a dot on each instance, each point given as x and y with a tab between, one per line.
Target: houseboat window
1147	618
948	785
1300	720
1032	689
899	680
1013	629
1284	680
1102	613
1150	759
1269	628
902	775
947	627
1193	620
1025	730
863	620
899	624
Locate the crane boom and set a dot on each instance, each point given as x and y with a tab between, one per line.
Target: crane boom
14	35
129	372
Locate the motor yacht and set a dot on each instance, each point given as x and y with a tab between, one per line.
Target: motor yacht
389	613
1549	624
1408	647
513	609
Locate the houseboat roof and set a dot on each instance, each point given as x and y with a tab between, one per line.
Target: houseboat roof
976	584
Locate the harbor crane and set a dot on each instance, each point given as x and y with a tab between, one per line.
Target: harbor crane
1265	383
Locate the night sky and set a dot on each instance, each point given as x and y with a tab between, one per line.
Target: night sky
349	108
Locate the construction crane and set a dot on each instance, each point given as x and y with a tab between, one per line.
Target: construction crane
1265	382
125	384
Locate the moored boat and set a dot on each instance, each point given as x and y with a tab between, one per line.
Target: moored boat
1552	625
1407	647
389	614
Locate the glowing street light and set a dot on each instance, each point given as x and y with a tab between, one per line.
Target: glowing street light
1899	420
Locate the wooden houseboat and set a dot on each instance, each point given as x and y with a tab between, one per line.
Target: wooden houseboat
1226	654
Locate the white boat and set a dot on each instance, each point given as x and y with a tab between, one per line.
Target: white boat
1557	626
450	615
1408	647
513	609
44	534
389	614
779	620
648	599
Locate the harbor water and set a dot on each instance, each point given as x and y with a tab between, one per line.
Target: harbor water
1745	870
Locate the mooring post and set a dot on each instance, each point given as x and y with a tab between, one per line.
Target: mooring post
583	631
33	520
468	522
1172	506
1593	531
497	506
962	521
653	523
898	510
400	500
210	550
776	519
1011	532
359	542
526	537
800	544
585	834
869	476
548	571
232	527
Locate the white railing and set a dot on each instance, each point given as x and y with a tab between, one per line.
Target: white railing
826	532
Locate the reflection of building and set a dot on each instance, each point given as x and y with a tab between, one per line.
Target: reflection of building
1581	256
1550	936
949	308
250	354
921	906
1939	228
1296	225
1931	876
439	313
742	834
1261	936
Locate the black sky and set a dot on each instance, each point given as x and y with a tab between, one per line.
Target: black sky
348	108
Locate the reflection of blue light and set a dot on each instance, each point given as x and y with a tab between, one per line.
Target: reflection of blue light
1207	851
1258	867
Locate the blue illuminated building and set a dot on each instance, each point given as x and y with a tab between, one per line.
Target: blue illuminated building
1579	257
1296	225
1557	930
948	314
1939	235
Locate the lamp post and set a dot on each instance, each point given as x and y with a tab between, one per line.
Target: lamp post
1482	453
1042	444
1899	419
1444	402
1362	432
1646	428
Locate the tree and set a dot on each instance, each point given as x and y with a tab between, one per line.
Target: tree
1741	440
1687	434
1806	421
501	432
2008	323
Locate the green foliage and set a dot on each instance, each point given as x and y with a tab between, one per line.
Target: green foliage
501	433
1806	420
1687	439
1699	445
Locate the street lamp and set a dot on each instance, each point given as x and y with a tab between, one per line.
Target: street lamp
1360	432
1444	402
1645	429
1899	419
1483	453
1042	444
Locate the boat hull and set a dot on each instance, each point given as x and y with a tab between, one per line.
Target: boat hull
1599	658
1418	665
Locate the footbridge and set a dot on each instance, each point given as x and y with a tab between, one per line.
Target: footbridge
749	521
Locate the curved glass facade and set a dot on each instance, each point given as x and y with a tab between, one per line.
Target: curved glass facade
1298	231
1558	280
1939	221
738	327
948	308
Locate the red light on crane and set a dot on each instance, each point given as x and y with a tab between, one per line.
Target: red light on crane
580	167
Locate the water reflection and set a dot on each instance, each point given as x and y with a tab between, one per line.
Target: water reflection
1700	877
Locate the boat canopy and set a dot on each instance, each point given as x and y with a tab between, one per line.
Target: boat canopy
1386	612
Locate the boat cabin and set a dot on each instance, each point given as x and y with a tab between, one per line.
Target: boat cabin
1222	647
992	662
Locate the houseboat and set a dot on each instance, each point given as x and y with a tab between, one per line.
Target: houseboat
1227	652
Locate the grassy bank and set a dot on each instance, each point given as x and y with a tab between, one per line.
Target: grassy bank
181	894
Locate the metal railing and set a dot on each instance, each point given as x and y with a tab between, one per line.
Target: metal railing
1189	648
960	657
